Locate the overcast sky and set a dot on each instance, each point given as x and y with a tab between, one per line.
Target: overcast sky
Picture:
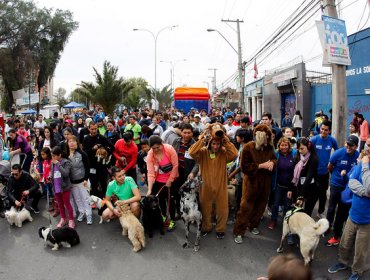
106	33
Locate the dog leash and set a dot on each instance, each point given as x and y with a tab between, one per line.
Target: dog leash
22	201
168	199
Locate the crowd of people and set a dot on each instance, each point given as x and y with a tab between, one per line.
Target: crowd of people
270	166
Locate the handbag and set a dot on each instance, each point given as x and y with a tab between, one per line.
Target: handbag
166	168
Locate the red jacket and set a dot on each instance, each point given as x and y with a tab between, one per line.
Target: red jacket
127	151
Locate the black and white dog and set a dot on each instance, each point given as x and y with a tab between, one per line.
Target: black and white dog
189	208
65	236
152	215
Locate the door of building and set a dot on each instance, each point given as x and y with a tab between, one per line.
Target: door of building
288	104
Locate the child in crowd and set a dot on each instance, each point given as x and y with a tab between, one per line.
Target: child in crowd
60	173
141	159
47	188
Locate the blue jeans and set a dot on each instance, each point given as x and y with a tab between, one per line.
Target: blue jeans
335	197
280	199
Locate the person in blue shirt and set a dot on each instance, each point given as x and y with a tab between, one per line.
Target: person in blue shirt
356	232
324	143
341	162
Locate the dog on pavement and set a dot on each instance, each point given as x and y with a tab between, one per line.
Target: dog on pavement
65	236
15	217
189	208
308	231
131	226
152	215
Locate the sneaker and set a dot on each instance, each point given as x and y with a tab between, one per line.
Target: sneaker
205	232
61	223
80	217
337	267
35	210
354	276
220	235
171	226
71	224
255	231
332	242
238	239
164	218
272	225
89	219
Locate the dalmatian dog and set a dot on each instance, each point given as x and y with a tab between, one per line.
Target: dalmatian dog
189	208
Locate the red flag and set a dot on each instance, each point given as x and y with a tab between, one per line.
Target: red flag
255	69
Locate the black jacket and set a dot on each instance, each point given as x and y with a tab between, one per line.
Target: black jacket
17	187
88	144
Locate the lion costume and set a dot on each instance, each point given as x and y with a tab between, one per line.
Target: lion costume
257	181
214	175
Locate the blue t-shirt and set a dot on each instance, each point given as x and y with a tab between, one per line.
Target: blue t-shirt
359	212
342	161
323	148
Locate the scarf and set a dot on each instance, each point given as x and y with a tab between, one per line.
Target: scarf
298	168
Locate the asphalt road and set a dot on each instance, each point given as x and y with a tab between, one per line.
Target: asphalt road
105	254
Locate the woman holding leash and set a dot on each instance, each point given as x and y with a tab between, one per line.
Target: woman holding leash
162	163
305	175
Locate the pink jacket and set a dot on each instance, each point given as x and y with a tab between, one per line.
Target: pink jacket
153	166
364	130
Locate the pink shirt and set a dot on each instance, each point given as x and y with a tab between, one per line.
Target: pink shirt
46	166
163	177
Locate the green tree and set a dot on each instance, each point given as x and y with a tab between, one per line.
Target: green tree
60	97
137	97
31	41
164	97
108	89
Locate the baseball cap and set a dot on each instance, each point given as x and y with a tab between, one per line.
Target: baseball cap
352	140
197	116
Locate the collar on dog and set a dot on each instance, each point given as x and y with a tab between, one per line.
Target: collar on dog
292	212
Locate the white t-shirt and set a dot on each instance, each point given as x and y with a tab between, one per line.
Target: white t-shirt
39	124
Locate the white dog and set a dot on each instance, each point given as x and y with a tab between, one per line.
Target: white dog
100	204
16	217
308	231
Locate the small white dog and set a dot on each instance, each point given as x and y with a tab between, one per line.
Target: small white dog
100	204
308	231
16	217
131	226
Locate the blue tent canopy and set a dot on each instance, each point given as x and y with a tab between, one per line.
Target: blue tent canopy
29	112
73	105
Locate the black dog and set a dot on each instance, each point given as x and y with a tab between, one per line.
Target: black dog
65	237
152	216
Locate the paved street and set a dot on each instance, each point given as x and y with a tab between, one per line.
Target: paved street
105	254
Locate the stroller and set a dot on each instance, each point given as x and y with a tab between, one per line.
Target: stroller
5	172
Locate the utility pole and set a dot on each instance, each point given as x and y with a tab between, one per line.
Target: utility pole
339	93
240	63
214	88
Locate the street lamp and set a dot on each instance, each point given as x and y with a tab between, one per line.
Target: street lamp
240	65
173	65
155	37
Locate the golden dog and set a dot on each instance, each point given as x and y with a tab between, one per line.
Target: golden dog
131	226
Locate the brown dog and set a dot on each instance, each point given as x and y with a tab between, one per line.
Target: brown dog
103	155
131	226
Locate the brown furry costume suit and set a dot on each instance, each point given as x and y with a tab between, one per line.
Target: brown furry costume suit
257	181
214	177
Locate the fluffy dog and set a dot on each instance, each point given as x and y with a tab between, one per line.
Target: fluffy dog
131	226
100	204
308	231
189	208
65	236
103	155
152	215
15	217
